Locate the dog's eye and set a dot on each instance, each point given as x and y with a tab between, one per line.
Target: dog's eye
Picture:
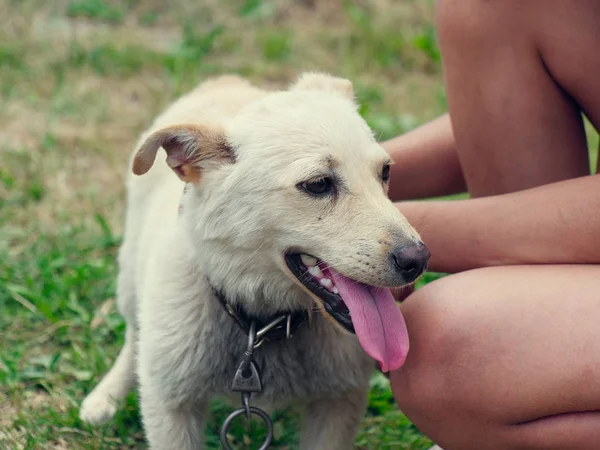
385	173
320	186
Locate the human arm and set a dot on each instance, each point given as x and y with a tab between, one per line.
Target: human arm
425	162
557	223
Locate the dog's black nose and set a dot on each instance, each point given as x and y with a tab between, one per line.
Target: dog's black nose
410	260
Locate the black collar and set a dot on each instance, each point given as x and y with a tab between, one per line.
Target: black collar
283	330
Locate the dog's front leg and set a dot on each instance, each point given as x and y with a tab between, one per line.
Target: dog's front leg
172	428
332	424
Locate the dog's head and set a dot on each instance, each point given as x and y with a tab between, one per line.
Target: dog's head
291	199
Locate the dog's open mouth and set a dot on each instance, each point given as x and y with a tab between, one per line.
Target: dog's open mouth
316	276
368	311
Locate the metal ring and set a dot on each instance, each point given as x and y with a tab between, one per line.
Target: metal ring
257	411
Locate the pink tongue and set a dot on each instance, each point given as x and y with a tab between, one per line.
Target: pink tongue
377	321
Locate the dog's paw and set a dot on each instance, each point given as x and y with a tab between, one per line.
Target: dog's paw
97	408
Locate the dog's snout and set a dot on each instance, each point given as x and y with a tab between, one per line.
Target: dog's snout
410	260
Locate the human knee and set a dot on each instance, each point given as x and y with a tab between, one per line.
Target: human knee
438	327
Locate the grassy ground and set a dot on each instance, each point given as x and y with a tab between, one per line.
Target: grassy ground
79	79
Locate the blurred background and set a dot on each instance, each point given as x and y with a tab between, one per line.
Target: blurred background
79	80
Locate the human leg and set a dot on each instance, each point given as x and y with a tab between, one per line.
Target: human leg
505	358
516	77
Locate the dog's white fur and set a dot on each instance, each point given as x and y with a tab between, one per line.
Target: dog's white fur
242	152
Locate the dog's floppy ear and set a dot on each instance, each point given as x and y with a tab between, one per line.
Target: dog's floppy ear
322	82
189	148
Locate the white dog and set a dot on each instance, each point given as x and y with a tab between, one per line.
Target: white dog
278	209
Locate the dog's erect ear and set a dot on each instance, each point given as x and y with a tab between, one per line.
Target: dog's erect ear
323	82
189	148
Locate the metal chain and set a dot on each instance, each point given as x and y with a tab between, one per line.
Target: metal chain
247	380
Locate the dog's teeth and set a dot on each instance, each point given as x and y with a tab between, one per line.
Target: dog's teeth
335	290
315	271
326	282
308	261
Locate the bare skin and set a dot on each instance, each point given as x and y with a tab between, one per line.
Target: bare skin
505	358
506	354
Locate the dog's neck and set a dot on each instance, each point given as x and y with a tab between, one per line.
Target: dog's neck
283	329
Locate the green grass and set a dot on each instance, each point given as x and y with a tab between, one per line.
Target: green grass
95	9
276	46
79	79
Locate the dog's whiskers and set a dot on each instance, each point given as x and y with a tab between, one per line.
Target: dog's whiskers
249	260
305	277
326	267
422	229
